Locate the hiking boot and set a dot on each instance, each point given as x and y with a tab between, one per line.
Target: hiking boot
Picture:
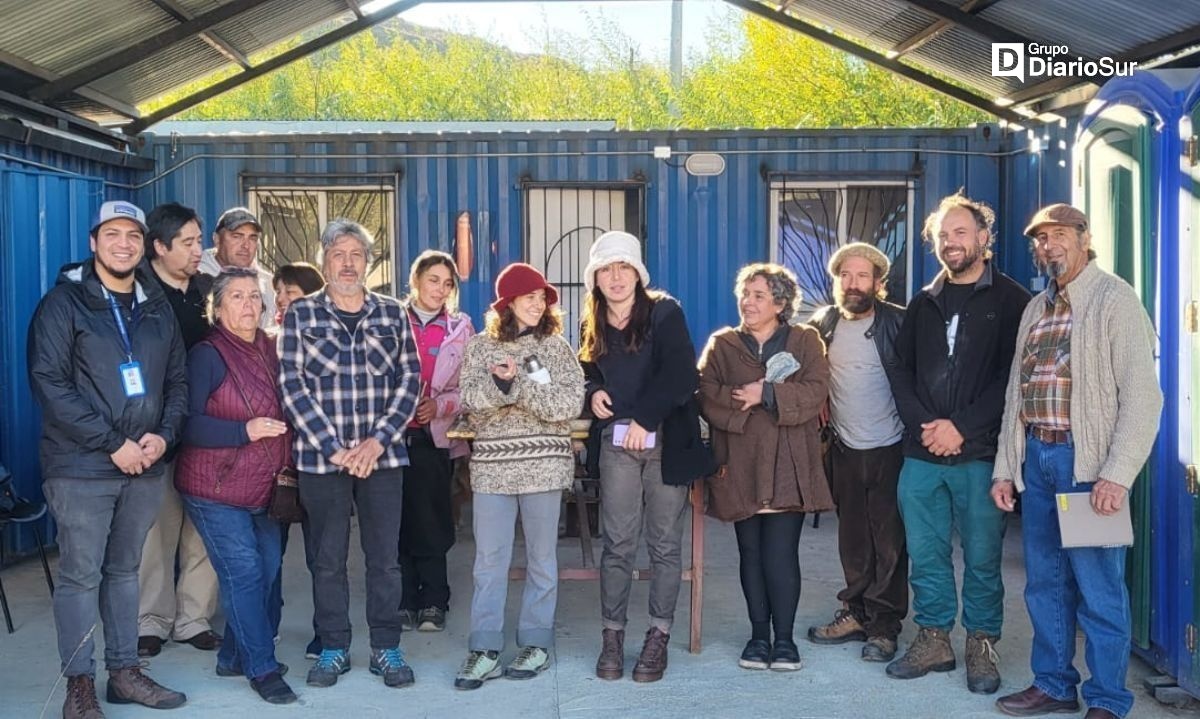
130	686
611	664
477	669
1034	702
530	662
390	664
929	652
785	657
273	689
879	649
983	676
652	662
81	701
330	665
431	619
845	627
313	650
756	655
408	620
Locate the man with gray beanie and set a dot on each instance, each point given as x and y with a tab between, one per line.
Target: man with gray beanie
865	452
351	381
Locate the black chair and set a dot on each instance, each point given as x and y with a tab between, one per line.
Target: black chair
18	511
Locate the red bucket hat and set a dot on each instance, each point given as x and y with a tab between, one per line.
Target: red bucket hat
521	279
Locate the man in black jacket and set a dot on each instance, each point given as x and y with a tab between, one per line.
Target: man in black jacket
953	354
864	454
107	366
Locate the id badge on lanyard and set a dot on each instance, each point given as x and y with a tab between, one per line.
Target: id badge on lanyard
131	371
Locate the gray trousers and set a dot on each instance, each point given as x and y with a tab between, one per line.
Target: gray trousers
102	525
495	517
379	501
633	496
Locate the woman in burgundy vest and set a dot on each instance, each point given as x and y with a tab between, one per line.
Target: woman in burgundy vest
234	444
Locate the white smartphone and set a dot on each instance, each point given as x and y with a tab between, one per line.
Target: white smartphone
619	431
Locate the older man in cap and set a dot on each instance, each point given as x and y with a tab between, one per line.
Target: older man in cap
1081	415
865	452
107	366
235	244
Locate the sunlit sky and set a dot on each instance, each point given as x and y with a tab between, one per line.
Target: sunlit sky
519	25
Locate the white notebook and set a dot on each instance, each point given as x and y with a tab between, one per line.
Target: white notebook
1080	526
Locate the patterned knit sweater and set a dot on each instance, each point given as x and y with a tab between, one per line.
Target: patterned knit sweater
522	437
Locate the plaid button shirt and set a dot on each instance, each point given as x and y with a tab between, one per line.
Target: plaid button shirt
341	388
1046	366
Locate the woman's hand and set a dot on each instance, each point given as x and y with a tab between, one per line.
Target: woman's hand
601	404
426	410
749	394
506	371
265	427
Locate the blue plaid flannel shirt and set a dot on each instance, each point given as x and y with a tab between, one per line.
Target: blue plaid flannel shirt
340	389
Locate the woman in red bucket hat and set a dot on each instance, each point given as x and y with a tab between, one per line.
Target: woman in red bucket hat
522	386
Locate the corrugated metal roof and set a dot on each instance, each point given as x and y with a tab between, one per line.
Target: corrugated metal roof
350	127
62	36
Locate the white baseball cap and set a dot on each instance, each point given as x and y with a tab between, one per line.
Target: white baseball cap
119	210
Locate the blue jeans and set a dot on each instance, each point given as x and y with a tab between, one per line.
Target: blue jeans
244	548
1066	586
936	499
102	526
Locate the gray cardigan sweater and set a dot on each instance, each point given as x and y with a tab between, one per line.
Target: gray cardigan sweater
1115	398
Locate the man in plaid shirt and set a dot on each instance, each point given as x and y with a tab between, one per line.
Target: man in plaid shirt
351	379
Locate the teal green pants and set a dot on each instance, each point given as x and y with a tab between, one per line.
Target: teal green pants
936	501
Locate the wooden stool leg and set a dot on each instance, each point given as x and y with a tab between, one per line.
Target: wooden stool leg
4	604
45	565
697	572
585	528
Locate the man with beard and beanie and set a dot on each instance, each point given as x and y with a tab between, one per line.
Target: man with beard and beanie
865	454
953	353
107	367
1082	414
351	378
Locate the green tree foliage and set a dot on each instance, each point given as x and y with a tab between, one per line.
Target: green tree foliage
754	74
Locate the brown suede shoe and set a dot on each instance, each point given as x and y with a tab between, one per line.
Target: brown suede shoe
611	664
929	652
205	641
149	646
652	662
1034	701
81	702
845	627
130	686
983	676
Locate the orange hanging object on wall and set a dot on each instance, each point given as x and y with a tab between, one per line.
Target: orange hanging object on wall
464	245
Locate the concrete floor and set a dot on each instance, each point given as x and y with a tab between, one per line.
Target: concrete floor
833	683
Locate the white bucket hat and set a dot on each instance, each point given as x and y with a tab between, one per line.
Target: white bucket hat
615	246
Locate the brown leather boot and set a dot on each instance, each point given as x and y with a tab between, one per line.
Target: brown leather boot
983	676
652	662
81	700
929	652
130	686
845	627
611	664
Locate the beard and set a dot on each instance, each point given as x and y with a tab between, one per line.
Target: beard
853	301
118	274
970	255
347	288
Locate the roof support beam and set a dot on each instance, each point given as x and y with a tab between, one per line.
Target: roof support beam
1163	46
355	7
875	58
273	64
140	50
87	93
986	28
215	41
916	40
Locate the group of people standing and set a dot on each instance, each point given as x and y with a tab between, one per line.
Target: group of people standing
182	415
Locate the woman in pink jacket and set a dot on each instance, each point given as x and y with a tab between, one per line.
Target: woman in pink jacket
427	525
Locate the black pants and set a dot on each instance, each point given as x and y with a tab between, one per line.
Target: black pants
871	536
427	526
327	498
769	545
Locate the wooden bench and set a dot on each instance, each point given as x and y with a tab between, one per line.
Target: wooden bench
692	574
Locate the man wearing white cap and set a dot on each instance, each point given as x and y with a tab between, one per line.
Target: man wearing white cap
107	366
235	244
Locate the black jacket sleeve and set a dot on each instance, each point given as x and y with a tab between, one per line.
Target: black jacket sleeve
175	390
903	378
51	377
674	376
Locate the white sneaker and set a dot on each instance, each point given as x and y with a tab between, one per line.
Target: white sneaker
530	662
477	669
